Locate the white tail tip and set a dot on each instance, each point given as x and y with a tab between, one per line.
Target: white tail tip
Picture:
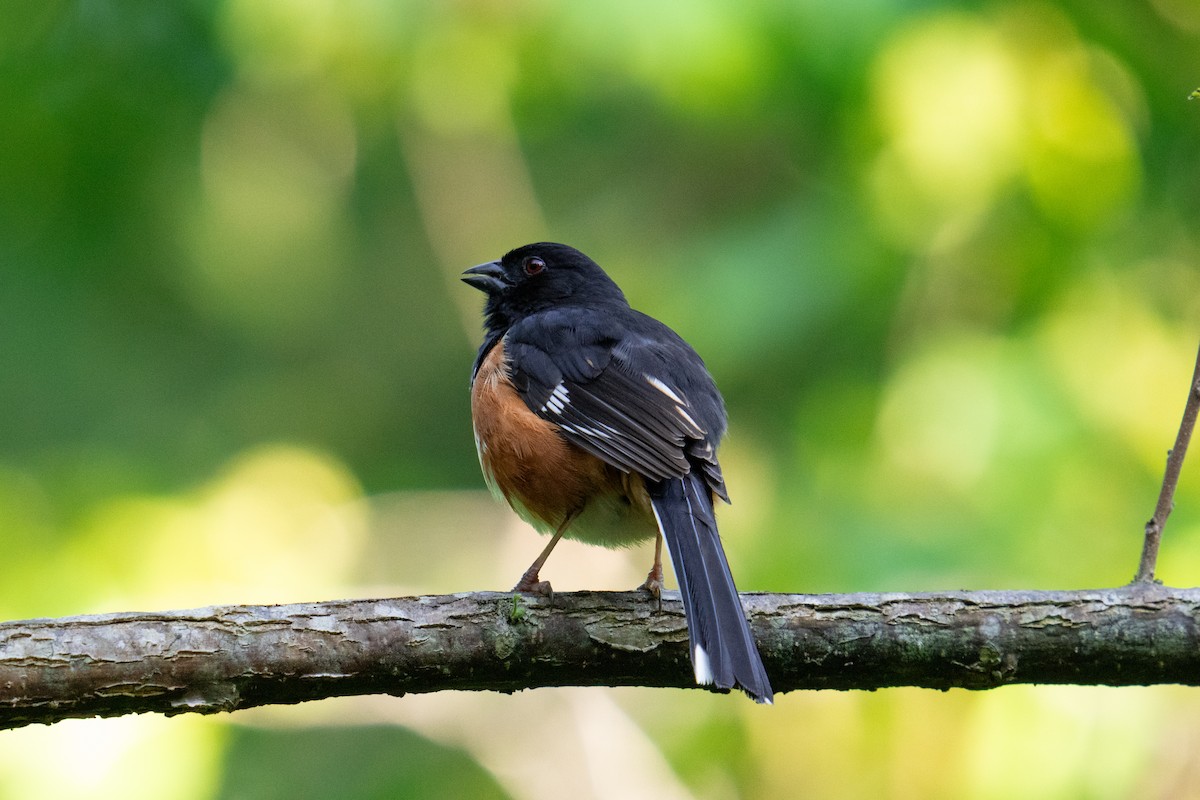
703	667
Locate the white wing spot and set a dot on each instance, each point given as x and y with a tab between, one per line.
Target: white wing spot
688	417
557	401
585	431
662	387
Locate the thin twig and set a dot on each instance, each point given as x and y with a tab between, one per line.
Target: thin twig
1166	498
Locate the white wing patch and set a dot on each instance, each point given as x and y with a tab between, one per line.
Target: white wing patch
557	401
688	418
662	387
583	430
681	405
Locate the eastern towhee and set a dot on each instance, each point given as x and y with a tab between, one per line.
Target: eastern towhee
597	422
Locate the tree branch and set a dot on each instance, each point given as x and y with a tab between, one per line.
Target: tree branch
226	658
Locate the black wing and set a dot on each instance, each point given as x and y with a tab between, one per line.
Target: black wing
622	386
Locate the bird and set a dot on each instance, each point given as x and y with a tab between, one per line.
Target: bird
597	422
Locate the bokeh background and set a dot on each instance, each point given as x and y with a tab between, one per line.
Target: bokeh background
941	257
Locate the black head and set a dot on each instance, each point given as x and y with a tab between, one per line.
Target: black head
537	277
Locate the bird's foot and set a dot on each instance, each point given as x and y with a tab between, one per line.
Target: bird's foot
531	584
654	584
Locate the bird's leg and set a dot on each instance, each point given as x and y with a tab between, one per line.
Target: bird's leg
529	581
654	579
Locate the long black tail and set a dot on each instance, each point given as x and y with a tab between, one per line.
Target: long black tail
722	648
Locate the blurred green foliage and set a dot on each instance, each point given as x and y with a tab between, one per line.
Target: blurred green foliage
311	764
941	256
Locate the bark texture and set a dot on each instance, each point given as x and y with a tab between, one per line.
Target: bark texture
225	658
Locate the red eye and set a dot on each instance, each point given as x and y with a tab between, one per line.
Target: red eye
533	265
